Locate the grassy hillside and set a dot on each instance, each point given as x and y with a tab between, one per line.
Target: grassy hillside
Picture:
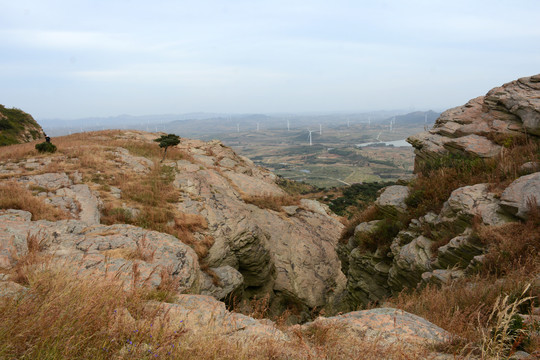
17	127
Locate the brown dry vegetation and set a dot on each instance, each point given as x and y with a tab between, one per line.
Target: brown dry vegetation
465	308
15	196
512	256
272	202
62	316
91	154
438	179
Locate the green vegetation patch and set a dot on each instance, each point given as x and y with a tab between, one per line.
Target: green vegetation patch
356	197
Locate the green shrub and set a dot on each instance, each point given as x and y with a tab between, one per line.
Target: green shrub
381	237
46	147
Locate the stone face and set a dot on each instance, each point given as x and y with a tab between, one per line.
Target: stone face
522	193
205	314
508	110
416	257
229	279
470	201
473	145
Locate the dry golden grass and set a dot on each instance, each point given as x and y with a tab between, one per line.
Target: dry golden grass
63	316
24	264
456	307
511	246
272	202
18	152
14	196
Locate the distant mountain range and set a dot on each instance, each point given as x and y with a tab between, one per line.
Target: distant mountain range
205	124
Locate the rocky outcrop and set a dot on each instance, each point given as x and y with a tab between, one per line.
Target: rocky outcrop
507	111
17	127
436	248
287	253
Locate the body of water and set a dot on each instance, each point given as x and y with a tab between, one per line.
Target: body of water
396	143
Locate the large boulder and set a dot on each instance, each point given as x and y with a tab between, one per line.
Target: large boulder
521	195
392	199
388	326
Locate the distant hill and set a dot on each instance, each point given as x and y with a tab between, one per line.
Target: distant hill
416	118
17	127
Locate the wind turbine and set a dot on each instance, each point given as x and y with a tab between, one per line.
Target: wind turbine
320	129
310	142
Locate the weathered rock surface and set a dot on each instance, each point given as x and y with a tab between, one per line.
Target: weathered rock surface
470	201
228	280
289	255
200	313
521	195
414	259
392	199
60	191
138	164
508	110
101	250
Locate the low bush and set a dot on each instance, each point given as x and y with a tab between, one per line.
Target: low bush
46	147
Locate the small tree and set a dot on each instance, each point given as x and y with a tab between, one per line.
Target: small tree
167	140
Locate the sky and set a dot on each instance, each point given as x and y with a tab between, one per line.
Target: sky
84	58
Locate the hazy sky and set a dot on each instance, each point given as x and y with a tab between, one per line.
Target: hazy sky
78	58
